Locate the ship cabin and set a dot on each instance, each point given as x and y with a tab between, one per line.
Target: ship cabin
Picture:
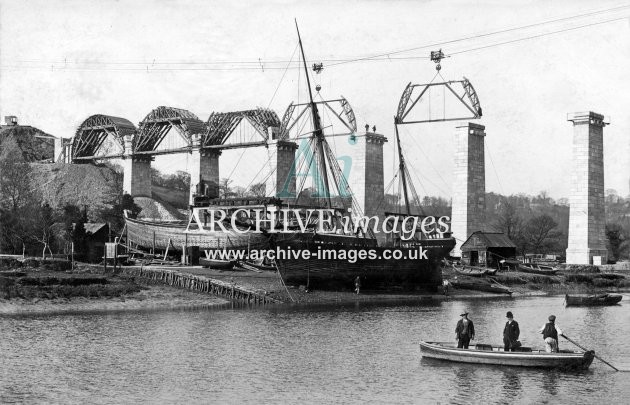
487	249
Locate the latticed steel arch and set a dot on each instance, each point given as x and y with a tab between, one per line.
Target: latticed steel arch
93	131
221	125
344	113
468	98
159	122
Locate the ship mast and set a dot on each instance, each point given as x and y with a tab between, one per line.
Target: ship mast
401	167
317	126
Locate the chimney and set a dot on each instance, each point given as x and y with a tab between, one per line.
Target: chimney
11	120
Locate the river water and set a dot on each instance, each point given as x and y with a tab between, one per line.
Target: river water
358	353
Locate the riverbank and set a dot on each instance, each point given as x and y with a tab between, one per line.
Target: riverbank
521	284
88	288
41	290
149	299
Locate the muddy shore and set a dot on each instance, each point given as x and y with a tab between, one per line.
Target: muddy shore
119	293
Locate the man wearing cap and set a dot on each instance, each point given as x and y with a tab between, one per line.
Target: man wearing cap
464	331
550	332
510	333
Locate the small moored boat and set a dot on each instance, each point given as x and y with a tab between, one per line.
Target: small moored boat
474	271
537	269
216	263
592	300
257	267
526	357
480	286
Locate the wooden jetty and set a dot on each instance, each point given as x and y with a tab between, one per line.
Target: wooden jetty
200	284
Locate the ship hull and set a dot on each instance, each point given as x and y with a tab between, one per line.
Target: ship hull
378	274
156	235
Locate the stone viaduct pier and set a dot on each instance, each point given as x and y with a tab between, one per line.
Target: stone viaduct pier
587	219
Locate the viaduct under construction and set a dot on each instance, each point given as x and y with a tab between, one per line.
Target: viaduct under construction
205	141
202	141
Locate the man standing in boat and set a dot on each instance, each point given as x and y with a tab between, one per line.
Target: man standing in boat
550	332
510	333
464	331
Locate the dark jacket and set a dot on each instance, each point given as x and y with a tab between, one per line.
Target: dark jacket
511	332
550	331
460	327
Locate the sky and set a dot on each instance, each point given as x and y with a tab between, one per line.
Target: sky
531	63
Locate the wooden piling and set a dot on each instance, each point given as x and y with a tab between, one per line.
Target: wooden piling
200	284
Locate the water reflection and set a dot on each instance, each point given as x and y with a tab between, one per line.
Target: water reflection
511	383
550	382
465	385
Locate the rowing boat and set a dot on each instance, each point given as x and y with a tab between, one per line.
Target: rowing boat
592	300
216	263
537	269
474	271
480	286
256	266
526	357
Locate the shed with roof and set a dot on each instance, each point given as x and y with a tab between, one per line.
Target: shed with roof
487	249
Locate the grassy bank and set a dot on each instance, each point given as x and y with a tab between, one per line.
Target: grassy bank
47	279
36	287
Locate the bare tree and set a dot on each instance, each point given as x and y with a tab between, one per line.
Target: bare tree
42	229
258	190
225	188
18	199
15	186
510	223
541	234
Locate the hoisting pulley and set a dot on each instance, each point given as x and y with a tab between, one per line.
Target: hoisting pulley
437	56
318	67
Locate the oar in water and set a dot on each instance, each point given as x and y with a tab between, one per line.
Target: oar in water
596	356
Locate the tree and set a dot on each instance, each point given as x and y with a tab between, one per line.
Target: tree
15	185
225	188
18	200
618	241
239	192
79	237
543	198
115	216
13	236
179	181
42	229
510	223
156	177
508	220
70	215
258	190
541	234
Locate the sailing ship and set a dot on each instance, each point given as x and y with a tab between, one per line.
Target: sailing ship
324	257
370	262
